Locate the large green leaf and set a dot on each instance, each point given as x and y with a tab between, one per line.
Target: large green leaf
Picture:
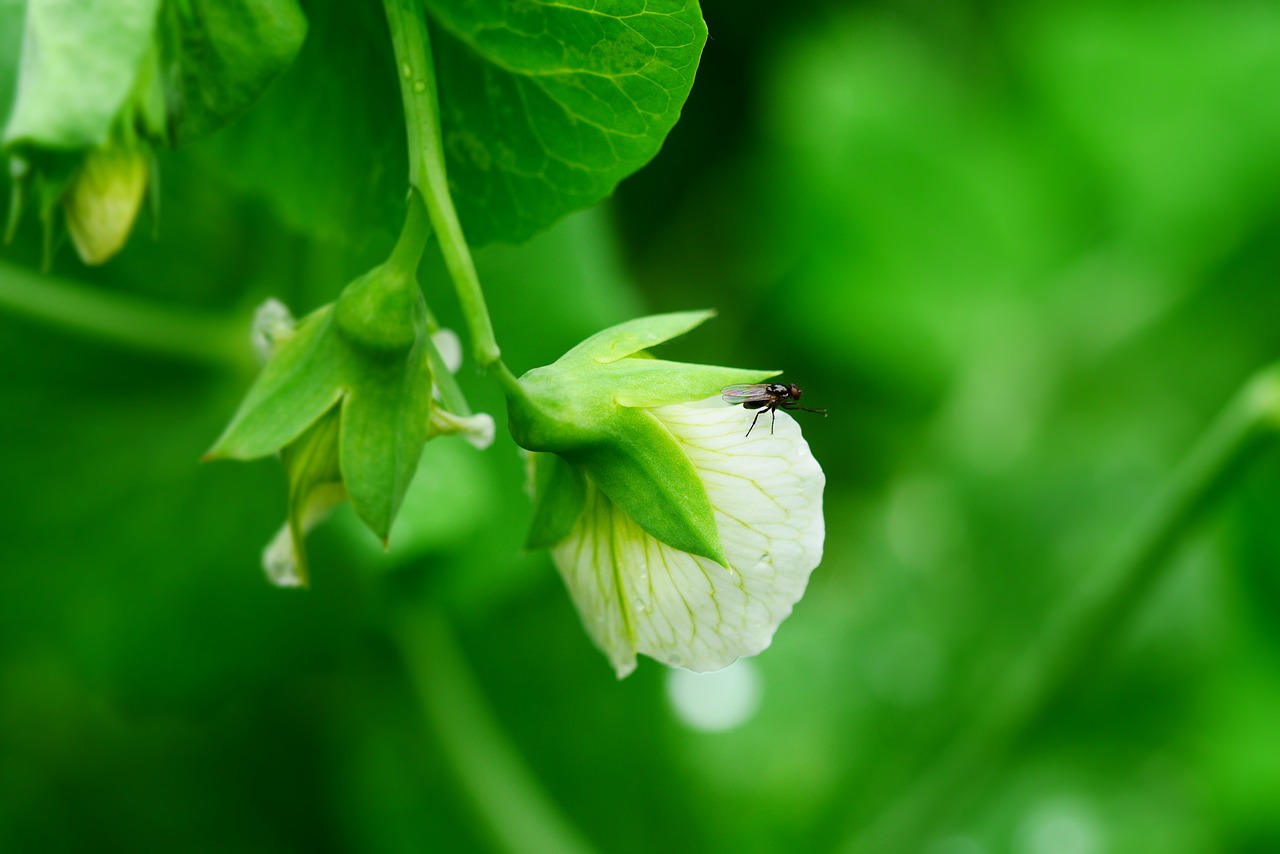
230	50
547	106
324	147
80	59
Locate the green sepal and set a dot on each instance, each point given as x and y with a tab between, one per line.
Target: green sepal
654	382
626	339
226	54
592	407
20	181
385	419
299	384
559	494
644	471
50	179
311	466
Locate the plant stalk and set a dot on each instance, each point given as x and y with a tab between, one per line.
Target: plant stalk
972	759
427	173
134	323
517	812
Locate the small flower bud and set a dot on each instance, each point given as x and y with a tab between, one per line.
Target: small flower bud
103	200
346	399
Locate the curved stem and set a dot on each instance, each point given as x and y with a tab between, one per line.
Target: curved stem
414	235
131	322
1082	631
427	172
510	385
518	814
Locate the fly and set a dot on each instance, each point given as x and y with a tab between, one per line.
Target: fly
766	397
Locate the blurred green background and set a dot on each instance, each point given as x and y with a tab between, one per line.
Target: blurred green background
1023	252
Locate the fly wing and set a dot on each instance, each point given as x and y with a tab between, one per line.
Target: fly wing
740	394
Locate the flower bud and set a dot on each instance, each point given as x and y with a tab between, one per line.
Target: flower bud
103	200
346	399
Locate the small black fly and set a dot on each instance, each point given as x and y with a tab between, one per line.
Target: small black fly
766	397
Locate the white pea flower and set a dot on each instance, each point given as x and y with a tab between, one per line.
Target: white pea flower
638	594
677	534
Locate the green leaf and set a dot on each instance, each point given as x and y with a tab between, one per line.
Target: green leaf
325	145
80	59
547	106
645	472
229	52
300	383
384	427
558	499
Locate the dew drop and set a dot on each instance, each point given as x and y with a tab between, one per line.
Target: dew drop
406	70
419	86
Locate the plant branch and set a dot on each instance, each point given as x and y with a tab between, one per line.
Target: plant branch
1083	632
518	814
427	172
134	323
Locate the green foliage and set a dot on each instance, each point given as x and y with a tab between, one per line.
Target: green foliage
100	83
547	106
1023	254
228	52
80	62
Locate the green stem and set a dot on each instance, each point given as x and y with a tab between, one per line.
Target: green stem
427	172
134	323
414	235
510	385
518	814
1083	632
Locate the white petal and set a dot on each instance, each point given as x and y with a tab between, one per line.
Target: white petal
280	560
477	429
637	594
449	347
272	326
